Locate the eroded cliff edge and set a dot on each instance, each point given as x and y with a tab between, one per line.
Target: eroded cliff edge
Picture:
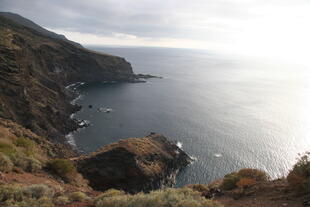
34	70
134	164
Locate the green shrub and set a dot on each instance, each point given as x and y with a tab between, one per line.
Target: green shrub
27	144
230	180
62	168
78	196
33	195
203	189
38	191
10	192
6	164
61	200
34	165
24	142
28	164
182	197
257	175
299	176
112	192
7	149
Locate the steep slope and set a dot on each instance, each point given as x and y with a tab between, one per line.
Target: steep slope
34	70
30	24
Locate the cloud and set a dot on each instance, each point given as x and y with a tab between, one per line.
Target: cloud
236	25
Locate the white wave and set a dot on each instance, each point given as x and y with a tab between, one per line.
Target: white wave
84	123
73	102
218	155
179	145
70	139
193	158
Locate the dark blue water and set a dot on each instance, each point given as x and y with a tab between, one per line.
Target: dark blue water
228	112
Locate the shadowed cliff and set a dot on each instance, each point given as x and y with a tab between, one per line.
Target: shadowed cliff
34	70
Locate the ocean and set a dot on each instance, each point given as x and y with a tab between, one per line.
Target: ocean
228	112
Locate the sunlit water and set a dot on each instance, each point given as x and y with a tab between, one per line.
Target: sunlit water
229	113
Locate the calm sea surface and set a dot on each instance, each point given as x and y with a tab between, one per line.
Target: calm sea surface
229	113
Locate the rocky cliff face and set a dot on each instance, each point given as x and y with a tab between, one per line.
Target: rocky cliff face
133	165
34	70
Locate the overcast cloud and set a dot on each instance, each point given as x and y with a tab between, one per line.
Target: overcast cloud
214	24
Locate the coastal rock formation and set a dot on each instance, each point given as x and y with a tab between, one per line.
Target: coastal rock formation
35	68
133	165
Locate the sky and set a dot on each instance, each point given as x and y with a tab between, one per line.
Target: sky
278	28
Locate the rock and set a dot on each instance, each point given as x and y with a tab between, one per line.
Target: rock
134	164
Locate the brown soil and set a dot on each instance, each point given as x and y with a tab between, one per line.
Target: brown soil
270	194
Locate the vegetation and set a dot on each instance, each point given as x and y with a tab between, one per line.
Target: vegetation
34	195
63	168
299	177
203	189
243	178
61	200
11	156
24	142
78	196
6	164
27	145
7	148
181	197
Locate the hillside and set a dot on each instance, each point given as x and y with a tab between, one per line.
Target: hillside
30	24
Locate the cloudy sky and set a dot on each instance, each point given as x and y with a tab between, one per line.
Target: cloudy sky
279	27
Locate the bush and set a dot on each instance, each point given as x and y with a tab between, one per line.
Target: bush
182	197
38	191
203	189
299	176
27	144
230	181
24	142
78	196
34	196
250	176
6	164
28	164
34	165
63	168
7	149
257	175
61	200
245	182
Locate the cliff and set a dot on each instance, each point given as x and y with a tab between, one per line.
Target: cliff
30	24
35	69
134	165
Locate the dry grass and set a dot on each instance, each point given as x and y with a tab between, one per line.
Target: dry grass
181	197
34	196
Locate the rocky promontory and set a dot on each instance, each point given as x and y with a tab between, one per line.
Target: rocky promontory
134	164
